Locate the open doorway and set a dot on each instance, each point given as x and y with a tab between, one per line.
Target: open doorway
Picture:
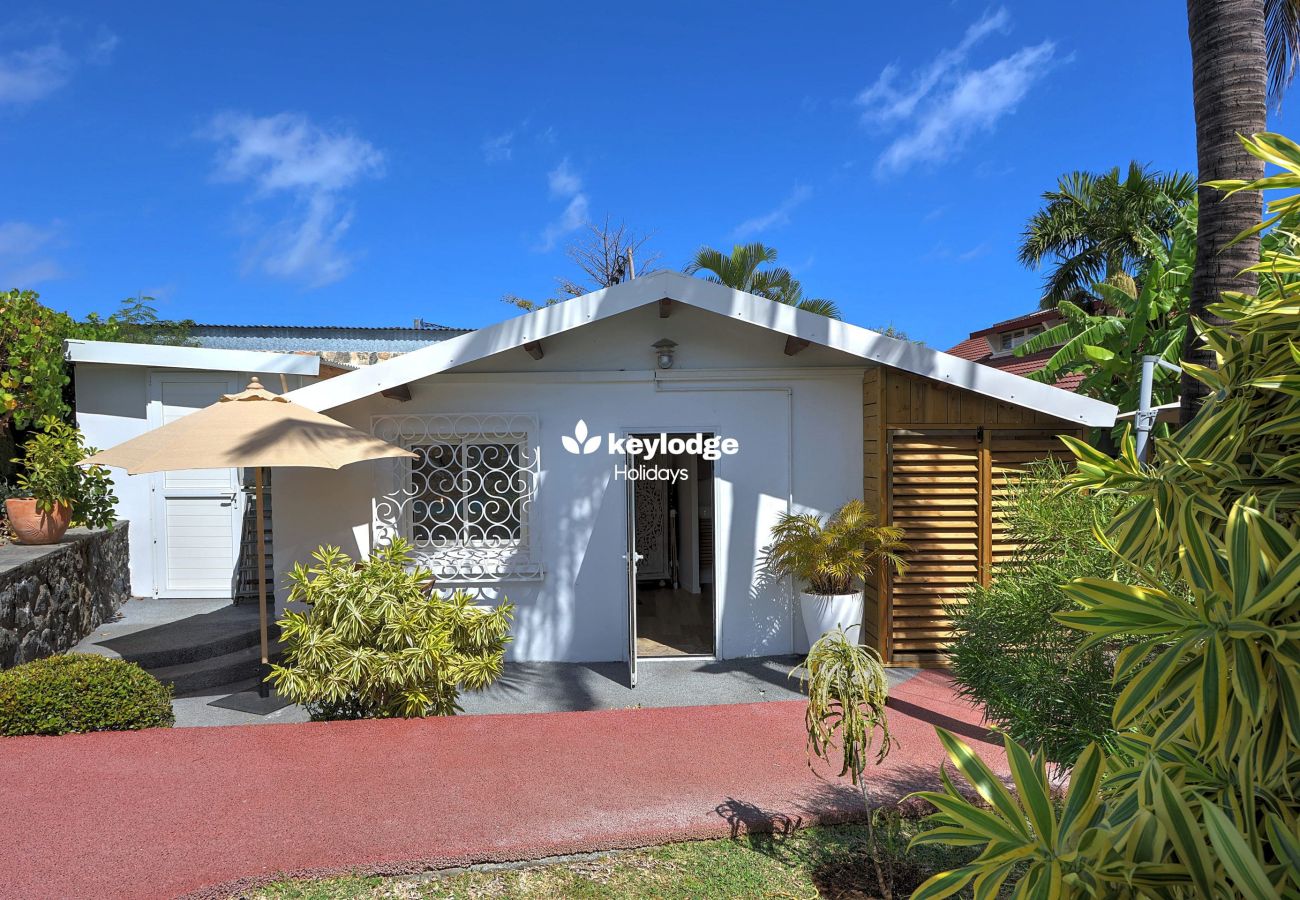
673	534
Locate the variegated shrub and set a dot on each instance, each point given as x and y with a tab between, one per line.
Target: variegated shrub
1201	795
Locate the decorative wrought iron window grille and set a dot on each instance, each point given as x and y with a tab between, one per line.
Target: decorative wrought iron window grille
464	504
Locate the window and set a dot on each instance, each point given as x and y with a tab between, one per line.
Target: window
464	501
1010	340
467	493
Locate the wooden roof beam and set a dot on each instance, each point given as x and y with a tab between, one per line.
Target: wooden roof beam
534	349
794	344
401	392
665	307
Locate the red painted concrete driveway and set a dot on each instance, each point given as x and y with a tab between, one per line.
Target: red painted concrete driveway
168	812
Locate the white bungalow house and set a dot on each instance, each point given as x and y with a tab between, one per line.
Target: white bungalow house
726	409
732	409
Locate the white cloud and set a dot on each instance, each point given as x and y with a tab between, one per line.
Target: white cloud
975	103
943	104
26	257
564	183
49	61
287	155
499	148
562	180
886	103
774	218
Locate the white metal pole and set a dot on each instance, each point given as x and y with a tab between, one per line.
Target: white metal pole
1145	418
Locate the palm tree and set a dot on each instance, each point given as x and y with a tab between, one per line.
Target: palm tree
1098	227
1244	53
740	270
1107	345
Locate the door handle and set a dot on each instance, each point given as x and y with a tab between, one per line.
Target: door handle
637	557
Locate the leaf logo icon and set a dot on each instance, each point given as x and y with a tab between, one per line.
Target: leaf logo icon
580	443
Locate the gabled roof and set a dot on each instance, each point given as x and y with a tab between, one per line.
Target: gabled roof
162	356
786	320
1023	321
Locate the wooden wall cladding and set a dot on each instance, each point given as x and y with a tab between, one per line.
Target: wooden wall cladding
937	461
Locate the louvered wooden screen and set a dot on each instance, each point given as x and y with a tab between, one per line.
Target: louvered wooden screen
934	497
947	491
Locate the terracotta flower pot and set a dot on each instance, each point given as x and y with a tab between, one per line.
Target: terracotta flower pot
31	526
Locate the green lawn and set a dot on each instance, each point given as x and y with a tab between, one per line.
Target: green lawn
827	862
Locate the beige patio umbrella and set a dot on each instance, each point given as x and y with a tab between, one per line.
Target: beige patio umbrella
252	429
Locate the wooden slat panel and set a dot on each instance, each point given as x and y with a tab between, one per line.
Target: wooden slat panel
948	492
933	497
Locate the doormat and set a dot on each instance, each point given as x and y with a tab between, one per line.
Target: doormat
250	702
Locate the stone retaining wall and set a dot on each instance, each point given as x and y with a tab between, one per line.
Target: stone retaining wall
53	596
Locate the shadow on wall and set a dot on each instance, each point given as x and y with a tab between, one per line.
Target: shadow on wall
767	608
551	622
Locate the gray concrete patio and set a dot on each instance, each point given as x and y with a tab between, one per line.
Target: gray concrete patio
193	642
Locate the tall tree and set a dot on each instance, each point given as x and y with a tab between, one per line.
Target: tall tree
1243	54
741	270
1106	345
1095	227
606	254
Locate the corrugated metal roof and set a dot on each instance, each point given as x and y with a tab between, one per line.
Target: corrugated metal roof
322	338
421	326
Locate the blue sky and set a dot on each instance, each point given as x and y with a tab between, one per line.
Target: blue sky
340	163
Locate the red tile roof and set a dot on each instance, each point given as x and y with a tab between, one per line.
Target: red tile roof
976	348
973	348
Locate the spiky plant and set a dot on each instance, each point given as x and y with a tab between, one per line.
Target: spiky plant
847	691
833	555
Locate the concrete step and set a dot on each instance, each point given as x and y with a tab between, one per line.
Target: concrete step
215	671
192	639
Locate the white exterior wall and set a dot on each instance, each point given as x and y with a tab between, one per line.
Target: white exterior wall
113	405
800	434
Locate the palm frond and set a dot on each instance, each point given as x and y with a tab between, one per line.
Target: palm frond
821	306
1281	45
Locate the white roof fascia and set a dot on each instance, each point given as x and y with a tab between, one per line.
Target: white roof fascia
158	356
717	298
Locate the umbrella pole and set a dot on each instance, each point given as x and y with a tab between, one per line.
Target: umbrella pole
263	689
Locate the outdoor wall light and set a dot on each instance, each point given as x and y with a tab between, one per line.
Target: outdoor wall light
664	352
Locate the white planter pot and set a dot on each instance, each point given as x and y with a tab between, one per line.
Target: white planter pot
826	612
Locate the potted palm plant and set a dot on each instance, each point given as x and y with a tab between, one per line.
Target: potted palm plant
52	490
831	558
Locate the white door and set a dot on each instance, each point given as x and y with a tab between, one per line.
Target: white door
632	558
196	513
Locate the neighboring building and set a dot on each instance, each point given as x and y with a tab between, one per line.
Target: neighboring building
993	346
344	346
187	528
517	492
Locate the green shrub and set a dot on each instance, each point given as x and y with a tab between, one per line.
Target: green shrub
1009	654
1200	795
81	692
376	643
